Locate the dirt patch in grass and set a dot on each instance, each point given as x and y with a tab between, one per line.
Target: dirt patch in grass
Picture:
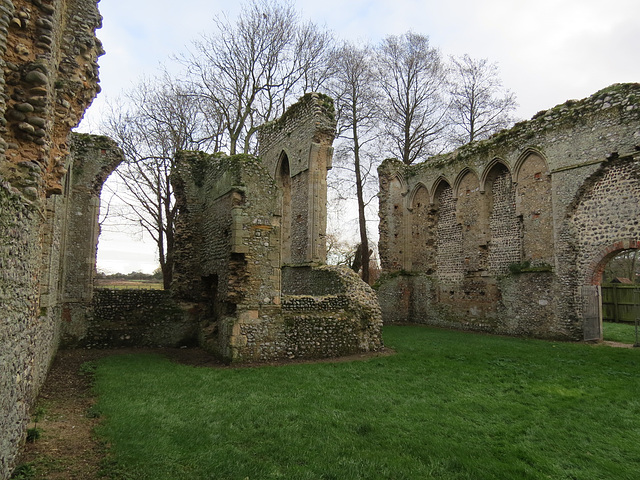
67	448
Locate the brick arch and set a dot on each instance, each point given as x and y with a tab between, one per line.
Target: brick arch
596	268
529	151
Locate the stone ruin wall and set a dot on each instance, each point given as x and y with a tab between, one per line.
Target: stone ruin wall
255	300
226	259
48	77
500	235
304	137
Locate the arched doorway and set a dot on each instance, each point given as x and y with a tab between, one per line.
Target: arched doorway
614	294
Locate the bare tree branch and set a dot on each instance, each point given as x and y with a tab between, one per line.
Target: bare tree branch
480	105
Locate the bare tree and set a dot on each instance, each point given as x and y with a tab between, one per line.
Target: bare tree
353	85
480	105
159	119
247	70
412	79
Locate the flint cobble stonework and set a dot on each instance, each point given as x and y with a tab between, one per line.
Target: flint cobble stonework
519	224
250	243
48	77
138	318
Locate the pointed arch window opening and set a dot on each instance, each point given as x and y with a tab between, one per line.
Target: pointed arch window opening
284	182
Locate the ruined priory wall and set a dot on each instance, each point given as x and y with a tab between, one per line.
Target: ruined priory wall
228	235
91	161
48	76
544	208
27	340
137	318
303	137
332	313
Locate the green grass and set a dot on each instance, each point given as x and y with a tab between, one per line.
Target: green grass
448	405
619	332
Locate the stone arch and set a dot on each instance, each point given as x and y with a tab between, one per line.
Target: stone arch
471	214
449	259
283	180
503	223
438	183
422	230
461	175
489	169
91	161
605	215
411	198
393	222
534	207
526	155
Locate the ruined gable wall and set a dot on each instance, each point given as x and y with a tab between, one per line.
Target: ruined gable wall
304	134
90	162
530	177
48	78
227	239
251	306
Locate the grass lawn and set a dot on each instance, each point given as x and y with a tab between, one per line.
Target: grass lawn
619	332
448	405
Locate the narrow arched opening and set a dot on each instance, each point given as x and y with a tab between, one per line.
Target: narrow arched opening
504	225
283	180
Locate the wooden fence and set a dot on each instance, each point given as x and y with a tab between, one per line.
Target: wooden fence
620	302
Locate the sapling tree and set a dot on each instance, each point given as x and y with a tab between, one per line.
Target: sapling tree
354	87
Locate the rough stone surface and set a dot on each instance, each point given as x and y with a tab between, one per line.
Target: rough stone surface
250	236
48	77
138	318
501	235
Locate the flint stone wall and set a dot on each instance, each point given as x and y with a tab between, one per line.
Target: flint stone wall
138	318
501	235
253	306
48	77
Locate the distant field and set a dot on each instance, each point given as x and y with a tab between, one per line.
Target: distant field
123	284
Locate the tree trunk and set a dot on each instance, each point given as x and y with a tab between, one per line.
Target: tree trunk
362	220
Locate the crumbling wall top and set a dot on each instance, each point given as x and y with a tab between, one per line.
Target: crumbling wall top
309	121
618	104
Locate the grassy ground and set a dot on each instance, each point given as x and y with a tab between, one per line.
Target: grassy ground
619	332
448	405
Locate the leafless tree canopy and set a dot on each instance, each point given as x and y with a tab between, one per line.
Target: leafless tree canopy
159	119
247	70
412	80
480	105
395	99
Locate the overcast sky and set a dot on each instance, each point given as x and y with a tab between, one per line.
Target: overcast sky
548	51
